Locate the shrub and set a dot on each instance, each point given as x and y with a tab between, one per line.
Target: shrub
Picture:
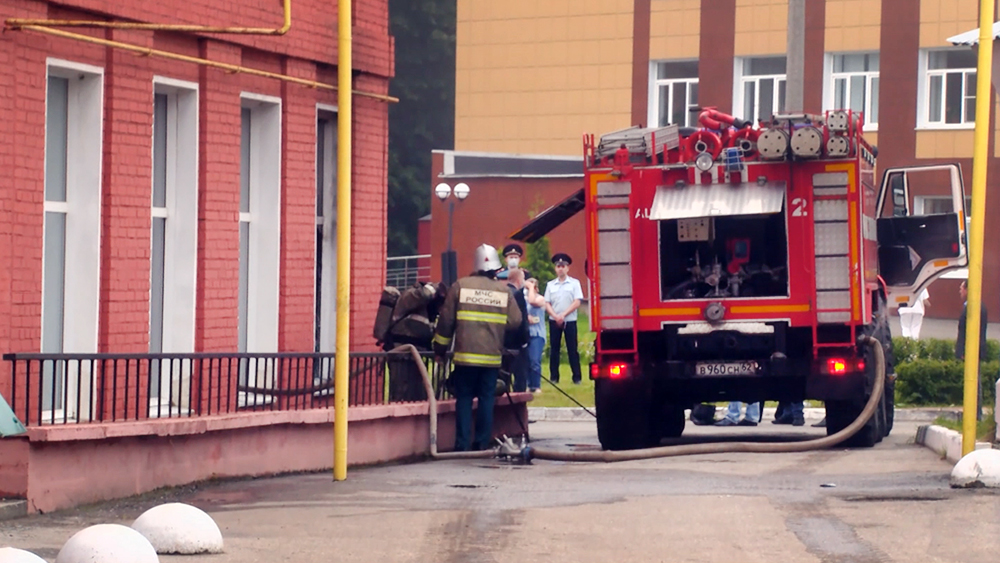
928	381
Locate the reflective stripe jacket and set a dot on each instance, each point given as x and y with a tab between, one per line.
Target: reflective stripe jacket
476	313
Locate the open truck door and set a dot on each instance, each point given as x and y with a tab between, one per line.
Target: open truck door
915	249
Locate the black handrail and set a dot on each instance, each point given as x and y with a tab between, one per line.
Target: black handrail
50	389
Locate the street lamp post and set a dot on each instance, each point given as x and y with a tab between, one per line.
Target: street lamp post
449	261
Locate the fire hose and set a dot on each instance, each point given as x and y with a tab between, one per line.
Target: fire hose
678	450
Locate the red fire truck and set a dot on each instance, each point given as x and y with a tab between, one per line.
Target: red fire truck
734	262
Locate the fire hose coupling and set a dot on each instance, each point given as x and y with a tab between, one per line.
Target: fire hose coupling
715	312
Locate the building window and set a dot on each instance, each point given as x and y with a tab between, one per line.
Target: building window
675	93
760	88
933	205
71	233
950	88
326	231
855	85
259	238
174	248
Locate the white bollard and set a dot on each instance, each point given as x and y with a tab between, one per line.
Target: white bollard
996	410
107	543
179	528
12	555
980	468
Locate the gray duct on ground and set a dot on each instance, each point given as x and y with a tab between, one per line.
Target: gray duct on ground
685	449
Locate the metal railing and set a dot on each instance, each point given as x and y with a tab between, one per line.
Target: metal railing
83	388
403	271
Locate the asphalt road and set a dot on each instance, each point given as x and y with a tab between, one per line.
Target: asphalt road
889	503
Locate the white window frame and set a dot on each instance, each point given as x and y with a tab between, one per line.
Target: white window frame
923	93
264	218
82	246
739	87
830	89
655	83
327	293
180	255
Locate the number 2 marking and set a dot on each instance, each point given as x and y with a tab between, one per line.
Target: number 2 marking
799	207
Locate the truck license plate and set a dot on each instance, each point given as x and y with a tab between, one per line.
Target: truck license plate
716	369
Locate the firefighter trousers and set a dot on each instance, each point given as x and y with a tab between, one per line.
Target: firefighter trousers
474	382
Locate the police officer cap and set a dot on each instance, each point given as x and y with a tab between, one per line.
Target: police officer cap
513	249
562	258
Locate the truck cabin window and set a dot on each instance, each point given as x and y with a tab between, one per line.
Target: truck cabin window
731	256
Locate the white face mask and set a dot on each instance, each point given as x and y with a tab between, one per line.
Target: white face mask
512	261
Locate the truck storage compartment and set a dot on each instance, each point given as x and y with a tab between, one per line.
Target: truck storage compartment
729	256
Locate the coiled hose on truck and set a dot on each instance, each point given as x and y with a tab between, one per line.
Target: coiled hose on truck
683	449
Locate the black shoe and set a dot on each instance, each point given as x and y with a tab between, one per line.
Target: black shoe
577	381
798	422
746	422
820	424
782	420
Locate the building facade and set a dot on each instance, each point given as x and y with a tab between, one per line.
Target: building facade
533	77
159	205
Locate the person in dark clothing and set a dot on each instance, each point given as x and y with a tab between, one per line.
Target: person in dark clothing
515	343
963	290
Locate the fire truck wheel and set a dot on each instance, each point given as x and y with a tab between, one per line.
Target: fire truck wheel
889	402
623	421
840	414
670	422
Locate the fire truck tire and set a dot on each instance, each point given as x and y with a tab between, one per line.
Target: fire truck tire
670	422
839	414
623	421
889	402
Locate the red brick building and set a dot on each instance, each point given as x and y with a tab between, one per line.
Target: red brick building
151	205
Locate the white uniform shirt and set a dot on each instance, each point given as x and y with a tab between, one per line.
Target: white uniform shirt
562	294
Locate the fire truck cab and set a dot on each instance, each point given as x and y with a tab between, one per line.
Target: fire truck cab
735	262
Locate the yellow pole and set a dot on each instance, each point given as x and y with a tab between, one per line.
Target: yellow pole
979	163
342	350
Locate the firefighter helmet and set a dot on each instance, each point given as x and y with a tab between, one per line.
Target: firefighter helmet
487	259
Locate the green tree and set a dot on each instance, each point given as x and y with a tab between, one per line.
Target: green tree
424	118
538	261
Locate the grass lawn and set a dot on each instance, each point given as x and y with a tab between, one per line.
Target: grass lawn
550	397
986	429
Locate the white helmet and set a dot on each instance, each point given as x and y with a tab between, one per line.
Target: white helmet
487	259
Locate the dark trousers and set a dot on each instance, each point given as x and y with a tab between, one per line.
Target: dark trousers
474	382
556	333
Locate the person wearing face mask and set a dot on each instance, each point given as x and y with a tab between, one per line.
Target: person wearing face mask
512	254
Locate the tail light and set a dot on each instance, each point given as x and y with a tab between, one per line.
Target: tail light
610	371
842	366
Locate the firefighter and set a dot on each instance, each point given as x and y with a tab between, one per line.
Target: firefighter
476	314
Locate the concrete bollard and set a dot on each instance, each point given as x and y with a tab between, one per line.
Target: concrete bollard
12	555
179	528
980	468
107	543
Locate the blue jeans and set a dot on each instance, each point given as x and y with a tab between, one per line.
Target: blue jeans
733	411
470	382
536	345
789	410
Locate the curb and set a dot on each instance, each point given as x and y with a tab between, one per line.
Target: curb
569	414
10	509
945	442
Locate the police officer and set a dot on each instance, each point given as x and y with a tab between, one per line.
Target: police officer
476	314
512	255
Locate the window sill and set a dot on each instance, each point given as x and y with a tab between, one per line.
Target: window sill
944	127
